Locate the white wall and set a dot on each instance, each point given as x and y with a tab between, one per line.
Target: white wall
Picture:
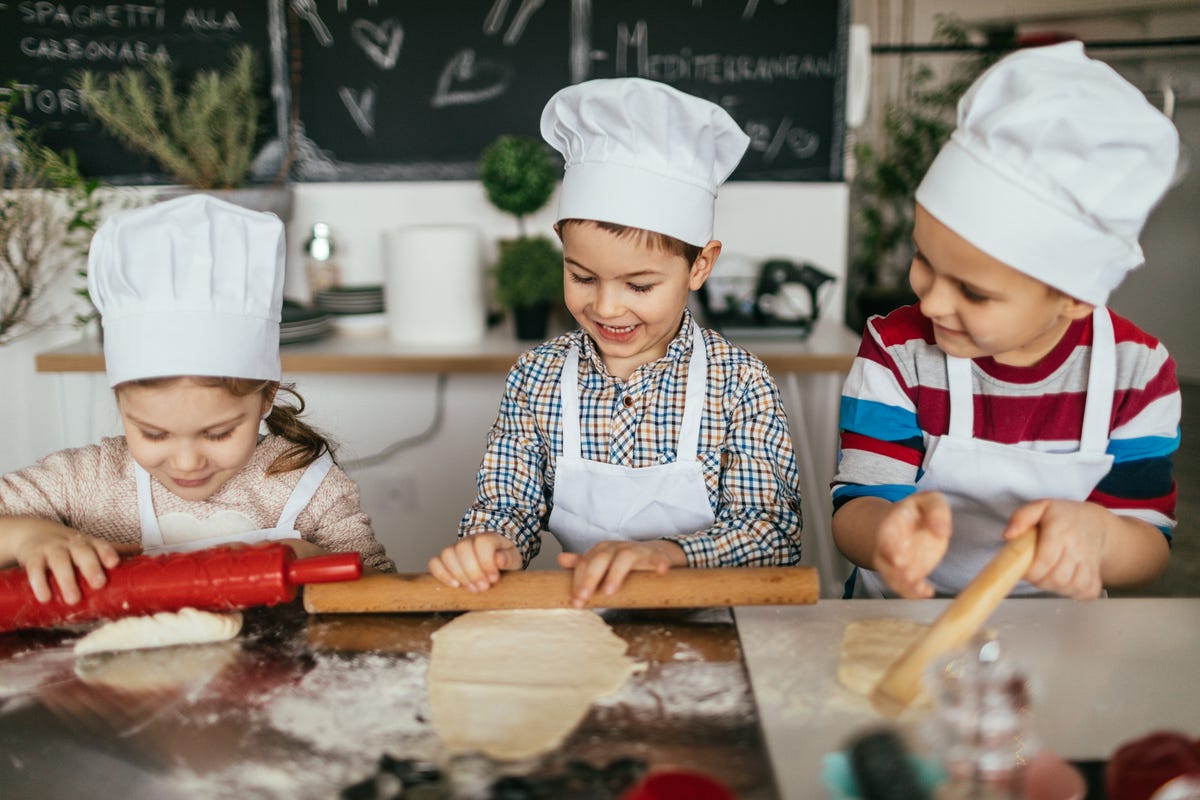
416	497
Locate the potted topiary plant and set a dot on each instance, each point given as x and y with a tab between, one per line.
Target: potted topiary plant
529	279
202	136
519	175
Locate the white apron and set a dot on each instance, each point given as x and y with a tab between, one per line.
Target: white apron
285	528
985	482
595	501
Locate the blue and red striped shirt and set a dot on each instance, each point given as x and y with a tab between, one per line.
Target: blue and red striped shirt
896	400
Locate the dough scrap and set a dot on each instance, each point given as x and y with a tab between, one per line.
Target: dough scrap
870	646
162	669
514	684
186	626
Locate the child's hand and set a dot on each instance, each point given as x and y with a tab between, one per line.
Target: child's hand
44	546
912	540
1070	545
611	562
475	561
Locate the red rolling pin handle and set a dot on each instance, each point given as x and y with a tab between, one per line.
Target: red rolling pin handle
218	579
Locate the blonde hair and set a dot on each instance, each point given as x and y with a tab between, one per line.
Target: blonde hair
309	444
653	239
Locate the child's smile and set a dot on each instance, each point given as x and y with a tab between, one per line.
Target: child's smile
627	295
192	438
980	306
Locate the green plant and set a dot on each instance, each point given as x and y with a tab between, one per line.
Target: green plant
48	213
203	137
889	172
518	175
529	272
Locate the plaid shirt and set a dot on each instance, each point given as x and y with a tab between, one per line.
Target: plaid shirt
745	446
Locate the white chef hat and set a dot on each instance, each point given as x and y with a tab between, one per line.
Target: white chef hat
191	286
643	154
1054	166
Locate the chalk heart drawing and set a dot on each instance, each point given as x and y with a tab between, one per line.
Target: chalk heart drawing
380	41
466	79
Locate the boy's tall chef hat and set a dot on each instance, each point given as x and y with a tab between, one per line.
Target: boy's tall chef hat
1054	166
191	286
643	154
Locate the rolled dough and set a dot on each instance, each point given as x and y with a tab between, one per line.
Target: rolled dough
870	646
156	670
514	684
186	626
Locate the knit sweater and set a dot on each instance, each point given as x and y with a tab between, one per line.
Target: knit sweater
93	489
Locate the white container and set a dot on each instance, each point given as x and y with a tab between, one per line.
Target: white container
433	284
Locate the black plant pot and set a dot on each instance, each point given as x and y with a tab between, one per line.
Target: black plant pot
531	321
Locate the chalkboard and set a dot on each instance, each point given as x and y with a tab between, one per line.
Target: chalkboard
419	89
416	89
44	44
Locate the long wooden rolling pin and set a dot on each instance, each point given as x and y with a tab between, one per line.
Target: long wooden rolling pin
956	625
679	588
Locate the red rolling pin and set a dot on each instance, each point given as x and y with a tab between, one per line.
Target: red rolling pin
217	579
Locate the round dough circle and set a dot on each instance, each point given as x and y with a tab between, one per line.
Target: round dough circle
514	684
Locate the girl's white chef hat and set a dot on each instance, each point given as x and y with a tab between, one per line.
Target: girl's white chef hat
191	286
1054	166
643	154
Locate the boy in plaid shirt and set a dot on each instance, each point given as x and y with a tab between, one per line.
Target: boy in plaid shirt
641	441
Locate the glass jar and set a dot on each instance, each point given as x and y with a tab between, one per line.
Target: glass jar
322	270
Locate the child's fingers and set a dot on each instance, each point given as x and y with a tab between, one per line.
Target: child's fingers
453	564
934	513
589	571
1025	518
35	570
623	563
568	560
87	561
62	569
439	571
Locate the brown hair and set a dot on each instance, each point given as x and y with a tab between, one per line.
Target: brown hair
653	239
309	444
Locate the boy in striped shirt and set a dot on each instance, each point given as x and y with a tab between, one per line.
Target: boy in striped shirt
1009	396
641	441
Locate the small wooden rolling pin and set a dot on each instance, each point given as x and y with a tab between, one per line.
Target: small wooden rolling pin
679	588
955	627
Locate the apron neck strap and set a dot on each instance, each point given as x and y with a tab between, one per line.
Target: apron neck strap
1102	384
568	391
151	533
303	491
693	404
962	399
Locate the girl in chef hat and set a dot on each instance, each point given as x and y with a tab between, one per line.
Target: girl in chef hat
1009	396
642	441
189	292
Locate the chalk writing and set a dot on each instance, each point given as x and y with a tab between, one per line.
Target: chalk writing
361	106
381	42
467	79
417	89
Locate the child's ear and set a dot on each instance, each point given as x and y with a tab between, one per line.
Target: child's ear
269	399
702	267
1074	309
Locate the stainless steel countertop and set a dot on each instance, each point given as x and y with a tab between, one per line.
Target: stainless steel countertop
302	707
1102	673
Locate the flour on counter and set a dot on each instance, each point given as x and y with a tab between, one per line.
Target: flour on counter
346	712
686	689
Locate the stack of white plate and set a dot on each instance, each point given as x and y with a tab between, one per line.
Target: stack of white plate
350	300
299	324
